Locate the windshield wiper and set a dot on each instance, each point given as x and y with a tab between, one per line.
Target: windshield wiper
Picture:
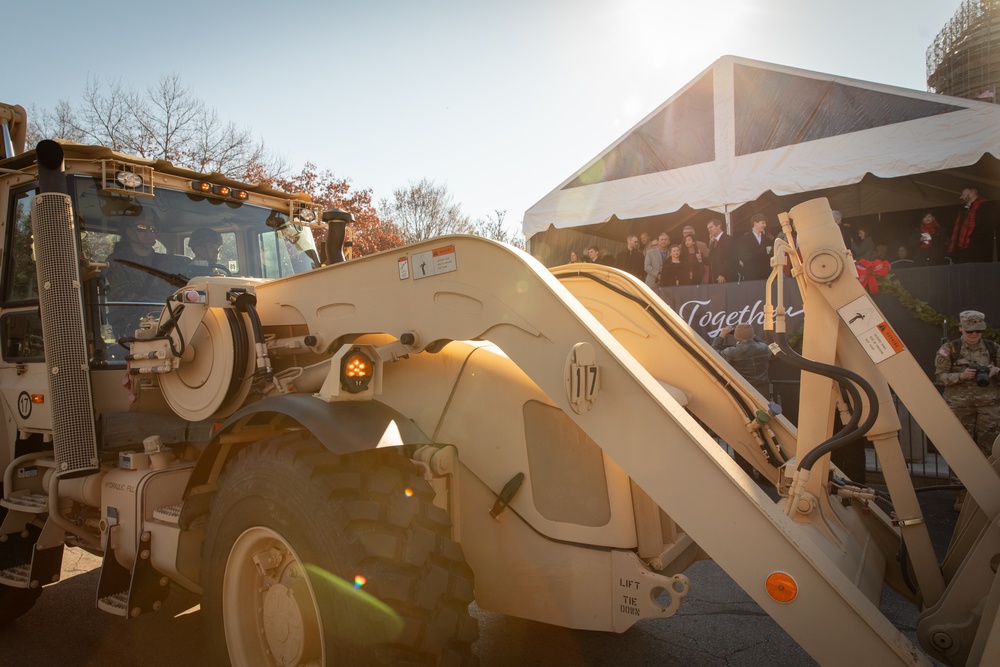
175	279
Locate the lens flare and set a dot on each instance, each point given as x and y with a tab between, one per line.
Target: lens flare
359	580
408	492
362	618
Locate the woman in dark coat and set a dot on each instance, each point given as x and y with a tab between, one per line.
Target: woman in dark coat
694	262
674	270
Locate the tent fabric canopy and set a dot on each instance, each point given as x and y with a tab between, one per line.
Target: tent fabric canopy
745	130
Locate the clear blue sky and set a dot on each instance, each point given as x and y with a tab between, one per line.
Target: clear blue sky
500	101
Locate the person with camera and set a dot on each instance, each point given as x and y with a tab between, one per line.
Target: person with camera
967	369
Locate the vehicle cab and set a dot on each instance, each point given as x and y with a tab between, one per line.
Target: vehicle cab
262	234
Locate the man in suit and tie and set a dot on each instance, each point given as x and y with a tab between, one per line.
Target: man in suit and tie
756	247
656	257
723	262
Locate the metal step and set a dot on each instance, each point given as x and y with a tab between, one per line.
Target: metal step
36	503
116	604
16	577
168	514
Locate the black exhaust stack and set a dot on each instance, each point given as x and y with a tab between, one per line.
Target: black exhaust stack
60	298
337	220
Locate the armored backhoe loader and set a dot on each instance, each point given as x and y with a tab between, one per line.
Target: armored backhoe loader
339	456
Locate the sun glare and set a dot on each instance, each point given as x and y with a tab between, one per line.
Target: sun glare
668	42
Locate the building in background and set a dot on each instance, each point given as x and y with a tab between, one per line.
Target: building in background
964	58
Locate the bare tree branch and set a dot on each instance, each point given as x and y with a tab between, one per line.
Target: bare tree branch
60	122
424	210
493	228
165	122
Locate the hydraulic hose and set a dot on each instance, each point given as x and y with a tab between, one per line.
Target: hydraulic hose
847	379
247	303
853	395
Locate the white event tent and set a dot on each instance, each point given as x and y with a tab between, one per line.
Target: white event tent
746	136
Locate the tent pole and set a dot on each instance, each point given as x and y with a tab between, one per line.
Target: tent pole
729	220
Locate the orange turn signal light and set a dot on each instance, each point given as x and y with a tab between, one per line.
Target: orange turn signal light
781	586
220	190
356	371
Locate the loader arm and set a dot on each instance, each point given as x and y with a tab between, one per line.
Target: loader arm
673	353
467	288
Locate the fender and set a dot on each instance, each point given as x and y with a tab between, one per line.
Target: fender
342	427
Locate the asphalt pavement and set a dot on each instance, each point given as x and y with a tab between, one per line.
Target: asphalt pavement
718	624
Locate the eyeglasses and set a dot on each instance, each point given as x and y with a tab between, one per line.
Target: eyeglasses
145	228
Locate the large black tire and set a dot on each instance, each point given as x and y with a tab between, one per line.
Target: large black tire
286	506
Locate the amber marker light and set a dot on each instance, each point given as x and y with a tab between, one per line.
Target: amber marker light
222	190
242	195
201	186
356	371
781	586
38	398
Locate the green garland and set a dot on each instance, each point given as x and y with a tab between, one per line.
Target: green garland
921	309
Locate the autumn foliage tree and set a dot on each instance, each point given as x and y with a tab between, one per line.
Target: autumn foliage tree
371	233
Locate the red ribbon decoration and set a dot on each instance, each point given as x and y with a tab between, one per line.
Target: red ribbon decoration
868	273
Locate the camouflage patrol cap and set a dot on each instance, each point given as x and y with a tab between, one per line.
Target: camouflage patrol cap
972	320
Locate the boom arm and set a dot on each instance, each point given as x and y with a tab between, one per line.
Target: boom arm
461	288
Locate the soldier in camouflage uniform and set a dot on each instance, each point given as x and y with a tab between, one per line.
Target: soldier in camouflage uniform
955	367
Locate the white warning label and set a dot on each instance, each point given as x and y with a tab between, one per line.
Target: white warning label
434	262
870	328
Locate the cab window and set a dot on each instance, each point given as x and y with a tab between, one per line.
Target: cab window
21	336
20	282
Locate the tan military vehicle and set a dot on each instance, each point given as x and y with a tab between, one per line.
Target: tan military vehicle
339	458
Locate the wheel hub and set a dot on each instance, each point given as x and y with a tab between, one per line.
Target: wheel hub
283	627
269	608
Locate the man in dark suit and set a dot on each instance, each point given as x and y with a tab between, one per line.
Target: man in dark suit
723	262
756	247
631	259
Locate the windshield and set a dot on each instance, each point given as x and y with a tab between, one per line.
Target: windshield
250	244
153	245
